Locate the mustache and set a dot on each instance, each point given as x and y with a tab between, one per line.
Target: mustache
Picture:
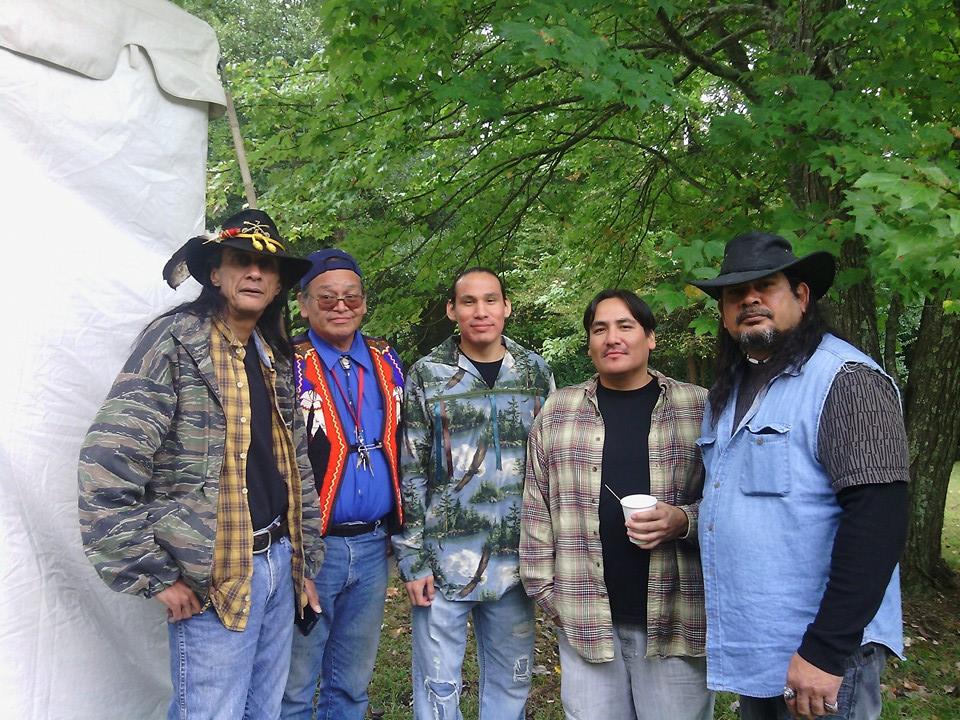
753	312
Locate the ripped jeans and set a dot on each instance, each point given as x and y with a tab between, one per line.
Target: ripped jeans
504	630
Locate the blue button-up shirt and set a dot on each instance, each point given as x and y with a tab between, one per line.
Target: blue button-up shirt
365	494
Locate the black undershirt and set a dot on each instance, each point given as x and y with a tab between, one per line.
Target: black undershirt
867	546
862	446
488	370
626	469
266	489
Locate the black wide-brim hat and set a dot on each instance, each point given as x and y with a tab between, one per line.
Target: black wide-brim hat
249	230
754	255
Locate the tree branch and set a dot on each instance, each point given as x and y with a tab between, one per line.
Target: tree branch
711	66
660	155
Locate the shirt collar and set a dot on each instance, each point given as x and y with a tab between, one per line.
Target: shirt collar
590	387
331	356
448	352
263	349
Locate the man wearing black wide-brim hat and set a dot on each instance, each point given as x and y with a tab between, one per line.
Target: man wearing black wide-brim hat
194	491
803	517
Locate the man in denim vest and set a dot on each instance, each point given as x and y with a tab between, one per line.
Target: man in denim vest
804	516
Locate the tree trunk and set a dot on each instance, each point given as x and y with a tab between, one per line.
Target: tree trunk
933	390
933	430
692	375
856	312
890	338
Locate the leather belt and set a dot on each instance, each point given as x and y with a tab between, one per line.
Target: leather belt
354	529
265	537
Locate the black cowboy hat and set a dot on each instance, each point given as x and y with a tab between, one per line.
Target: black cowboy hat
250	230
755	255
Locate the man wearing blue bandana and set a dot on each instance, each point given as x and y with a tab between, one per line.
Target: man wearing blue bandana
349	387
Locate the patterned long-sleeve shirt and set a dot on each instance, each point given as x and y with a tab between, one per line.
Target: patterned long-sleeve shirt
462	463
561	558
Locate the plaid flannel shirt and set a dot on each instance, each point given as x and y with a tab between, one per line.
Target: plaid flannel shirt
233	548
561	558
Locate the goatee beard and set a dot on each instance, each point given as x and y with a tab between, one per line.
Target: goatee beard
766	340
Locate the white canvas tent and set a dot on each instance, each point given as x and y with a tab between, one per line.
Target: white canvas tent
103	137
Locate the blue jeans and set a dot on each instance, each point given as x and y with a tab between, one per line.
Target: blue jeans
221	674
633	686
858	698
340	651
504	630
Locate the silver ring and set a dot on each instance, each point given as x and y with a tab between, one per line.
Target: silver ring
789	693
831	707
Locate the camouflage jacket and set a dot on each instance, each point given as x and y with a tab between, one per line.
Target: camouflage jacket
150	465
462	465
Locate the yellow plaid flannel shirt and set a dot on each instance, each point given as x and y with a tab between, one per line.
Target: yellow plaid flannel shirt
233	548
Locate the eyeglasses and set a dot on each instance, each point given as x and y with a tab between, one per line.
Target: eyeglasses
328	301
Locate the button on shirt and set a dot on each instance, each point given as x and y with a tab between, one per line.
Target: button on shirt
233	546
365	494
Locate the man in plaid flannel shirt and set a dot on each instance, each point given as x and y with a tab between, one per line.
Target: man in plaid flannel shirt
627	598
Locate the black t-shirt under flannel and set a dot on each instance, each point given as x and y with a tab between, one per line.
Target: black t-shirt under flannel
626	469
266	489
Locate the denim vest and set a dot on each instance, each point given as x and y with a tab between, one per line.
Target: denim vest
767	524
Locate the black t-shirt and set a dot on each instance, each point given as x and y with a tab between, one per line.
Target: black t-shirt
488	370
266	489
626	469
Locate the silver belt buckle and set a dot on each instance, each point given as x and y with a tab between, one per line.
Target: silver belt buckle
269	544
268	530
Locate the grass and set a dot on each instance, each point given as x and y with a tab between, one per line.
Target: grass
925	686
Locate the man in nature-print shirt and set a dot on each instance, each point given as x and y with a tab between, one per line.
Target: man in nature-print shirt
468	408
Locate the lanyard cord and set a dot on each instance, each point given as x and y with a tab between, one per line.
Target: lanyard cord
354	411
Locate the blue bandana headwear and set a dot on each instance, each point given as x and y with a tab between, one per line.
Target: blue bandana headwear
328	259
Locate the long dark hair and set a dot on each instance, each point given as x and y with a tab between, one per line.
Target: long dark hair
797	347
274	324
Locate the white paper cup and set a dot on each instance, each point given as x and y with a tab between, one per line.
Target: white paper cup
637	503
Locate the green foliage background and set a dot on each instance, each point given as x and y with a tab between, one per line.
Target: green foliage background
575	144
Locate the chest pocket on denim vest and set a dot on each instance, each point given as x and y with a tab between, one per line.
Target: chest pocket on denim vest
766	460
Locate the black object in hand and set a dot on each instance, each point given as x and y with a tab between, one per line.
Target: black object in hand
305	624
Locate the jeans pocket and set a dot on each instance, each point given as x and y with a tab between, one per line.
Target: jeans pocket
859	694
